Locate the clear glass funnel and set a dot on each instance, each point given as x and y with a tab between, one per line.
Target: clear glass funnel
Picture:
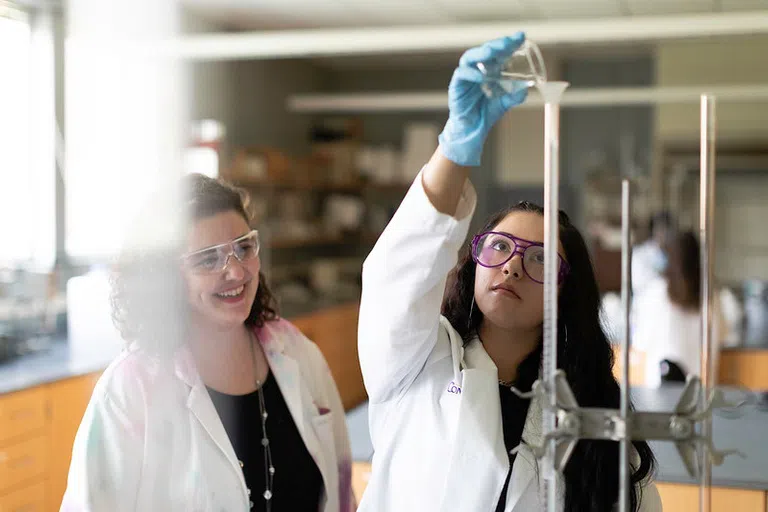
524	68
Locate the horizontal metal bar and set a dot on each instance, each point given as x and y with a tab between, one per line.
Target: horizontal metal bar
606	424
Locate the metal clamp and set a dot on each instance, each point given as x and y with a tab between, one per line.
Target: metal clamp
678	426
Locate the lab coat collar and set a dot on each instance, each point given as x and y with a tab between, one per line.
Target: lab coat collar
479	463
201	406
476	357
480	399
286	372
297	395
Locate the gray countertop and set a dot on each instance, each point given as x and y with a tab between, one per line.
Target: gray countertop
59	362
748	433
51	364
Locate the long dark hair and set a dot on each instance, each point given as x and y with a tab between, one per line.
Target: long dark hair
684	271
584	353
148	295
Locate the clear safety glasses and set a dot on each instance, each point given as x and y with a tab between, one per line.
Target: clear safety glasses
215	259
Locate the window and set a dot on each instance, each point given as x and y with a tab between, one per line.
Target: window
27	128
124	121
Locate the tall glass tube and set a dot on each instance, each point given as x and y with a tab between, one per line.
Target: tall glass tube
626	288
707	255
552	93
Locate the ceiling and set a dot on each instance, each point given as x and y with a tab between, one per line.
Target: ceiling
282	14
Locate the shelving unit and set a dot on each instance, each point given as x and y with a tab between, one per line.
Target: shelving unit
364	238
360	187
303	251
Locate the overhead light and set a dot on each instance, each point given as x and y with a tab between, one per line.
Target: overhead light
574	98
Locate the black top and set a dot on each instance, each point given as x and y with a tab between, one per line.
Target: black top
514	411
294	466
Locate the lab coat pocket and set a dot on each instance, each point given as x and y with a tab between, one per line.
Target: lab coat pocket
323	427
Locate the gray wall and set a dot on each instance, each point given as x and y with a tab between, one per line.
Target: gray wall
249	97
387	128
586	131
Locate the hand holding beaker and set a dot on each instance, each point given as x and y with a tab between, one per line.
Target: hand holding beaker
473	112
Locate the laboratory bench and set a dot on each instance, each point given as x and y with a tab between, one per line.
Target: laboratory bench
745	366
43	396
740	366
740	484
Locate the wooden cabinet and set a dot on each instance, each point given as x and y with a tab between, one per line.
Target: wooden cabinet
38	425
68	398
361	473
334	330
745	368
748	368
29	499
24	456
37	429
22	413
685	498
23	462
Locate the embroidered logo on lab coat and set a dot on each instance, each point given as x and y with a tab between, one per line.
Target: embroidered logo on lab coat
454	388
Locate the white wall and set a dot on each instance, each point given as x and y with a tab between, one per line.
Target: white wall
519	142
741	239
520	148
261	89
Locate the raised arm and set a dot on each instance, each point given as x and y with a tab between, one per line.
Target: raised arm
443	181
404	276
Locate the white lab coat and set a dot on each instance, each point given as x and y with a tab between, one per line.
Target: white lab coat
664	330
434	410
151	439
648	261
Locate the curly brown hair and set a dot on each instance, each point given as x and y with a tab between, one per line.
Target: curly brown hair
148	295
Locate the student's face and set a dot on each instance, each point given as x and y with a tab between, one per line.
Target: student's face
507	295
221	298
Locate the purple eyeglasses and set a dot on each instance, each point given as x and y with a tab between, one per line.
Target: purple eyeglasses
494	248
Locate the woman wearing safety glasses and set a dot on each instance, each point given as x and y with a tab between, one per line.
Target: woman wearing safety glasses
443	338
217	403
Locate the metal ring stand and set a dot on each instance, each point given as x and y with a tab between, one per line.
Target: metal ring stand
565	422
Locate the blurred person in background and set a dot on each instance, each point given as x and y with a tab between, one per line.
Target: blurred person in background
439	360
667	316
216	403
649	258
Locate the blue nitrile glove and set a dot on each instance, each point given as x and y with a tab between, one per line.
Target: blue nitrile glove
471	113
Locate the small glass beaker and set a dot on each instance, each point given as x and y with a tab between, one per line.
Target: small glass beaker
524	68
